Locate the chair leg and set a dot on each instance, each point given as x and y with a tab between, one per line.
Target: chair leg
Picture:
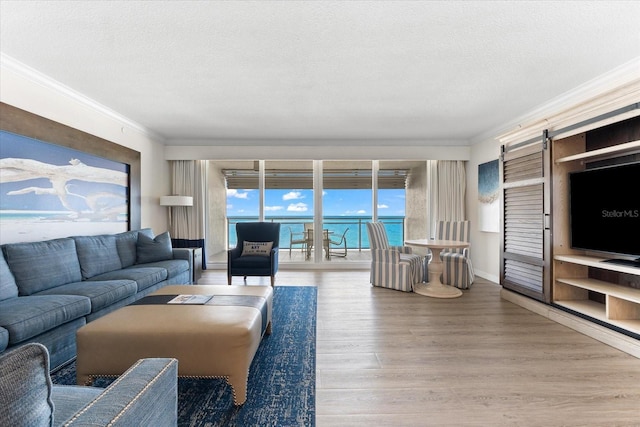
273	280
229	280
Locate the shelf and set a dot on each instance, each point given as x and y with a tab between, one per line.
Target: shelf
621	292
617	150
591	261
590	308
597	311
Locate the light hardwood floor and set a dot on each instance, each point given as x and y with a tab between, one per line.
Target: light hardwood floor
388	358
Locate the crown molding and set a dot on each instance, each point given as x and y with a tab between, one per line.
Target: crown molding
614	89
11	64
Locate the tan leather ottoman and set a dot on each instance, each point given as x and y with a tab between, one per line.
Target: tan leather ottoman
209	341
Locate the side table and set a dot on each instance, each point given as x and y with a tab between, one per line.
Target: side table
435	288
196	268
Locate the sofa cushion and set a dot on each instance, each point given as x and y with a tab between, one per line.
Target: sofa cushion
4	338
26	317
97	254
143	276
152	250
37	266
8	287
126	243
25	387
101	294
173	266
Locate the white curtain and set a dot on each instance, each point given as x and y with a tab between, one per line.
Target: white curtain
448	183
188	226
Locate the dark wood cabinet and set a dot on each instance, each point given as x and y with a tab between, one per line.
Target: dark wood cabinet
196	268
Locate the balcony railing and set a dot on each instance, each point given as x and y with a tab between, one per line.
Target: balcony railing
357	237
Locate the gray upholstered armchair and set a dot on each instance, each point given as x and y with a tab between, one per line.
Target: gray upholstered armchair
457	269
394	267
256	253
146	394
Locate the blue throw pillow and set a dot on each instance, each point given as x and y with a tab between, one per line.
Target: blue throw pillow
153	249
126	244
8	287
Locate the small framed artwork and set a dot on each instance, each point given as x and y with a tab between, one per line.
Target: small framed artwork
489	196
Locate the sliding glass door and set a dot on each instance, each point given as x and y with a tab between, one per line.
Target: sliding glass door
288	199
346	208
323	205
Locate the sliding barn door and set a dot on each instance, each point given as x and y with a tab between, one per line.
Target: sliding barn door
526	234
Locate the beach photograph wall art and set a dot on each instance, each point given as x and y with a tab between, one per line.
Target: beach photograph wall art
49	191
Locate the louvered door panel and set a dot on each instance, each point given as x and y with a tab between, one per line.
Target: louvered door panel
523	220
525	246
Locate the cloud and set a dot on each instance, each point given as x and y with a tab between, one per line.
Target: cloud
383	206
297	207
358	212
293	195
273	208
236	194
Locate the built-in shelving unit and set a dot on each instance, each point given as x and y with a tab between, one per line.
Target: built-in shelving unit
582	282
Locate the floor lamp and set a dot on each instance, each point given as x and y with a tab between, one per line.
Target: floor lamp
171	201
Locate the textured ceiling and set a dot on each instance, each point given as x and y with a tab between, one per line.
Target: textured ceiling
430	71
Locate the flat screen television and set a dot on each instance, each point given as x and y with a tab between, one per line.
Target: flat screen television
605	210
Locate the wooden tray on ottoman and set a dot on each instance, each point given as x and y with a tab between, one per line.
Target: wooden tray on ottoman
214	340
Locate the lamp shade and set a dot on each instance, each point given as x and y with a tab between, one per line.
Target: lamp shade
176	201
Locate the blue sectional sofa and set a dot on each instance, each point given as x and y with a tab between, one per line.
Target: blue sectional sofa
49	289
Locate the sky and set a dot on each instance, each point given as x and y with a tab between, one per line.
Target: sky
296	203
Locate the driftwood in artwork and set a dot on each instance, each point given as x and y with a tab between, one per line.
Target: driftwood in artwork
18	170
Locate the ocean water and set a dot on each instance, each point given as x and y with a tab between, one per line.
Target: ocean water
33	226
356	234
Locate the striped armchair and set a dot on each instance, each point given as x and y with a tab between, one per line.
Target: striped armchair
393	267
457	269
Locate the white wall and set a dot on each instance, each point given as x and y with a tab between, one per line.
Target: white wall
485	246
33	92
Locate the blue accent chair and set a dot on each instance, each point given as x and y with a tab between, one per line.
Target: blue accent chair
254	264
145	395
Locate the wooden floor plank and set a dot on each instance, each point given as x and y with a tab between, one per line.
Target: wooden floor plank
389	358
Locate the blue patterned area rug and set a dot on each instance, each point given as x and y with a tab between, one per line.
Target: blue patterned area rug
281	389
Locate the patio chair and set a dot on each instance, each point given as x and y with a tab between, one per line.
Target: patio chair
325	240
256	253
393	267
338	243
297	238
457	269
